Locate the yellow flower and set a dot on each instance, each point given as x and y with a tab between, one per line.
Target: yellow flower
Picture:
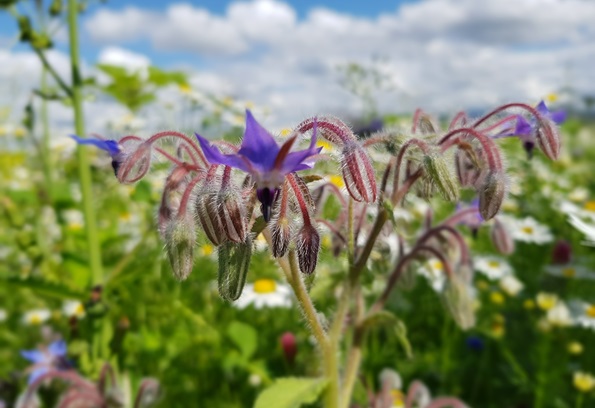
285	132
265	286
529	304
326	146
497	298
398	399
337	181
590	311
185	88
20	132
551	97
546	301
584	382
574	347
207	249
590	205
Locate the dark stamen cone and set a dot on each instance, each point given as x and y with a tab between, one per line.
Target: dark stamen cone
308	245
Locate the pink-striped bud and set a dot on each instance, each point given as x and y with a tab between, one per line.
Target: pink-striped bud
308	245
358	173
135	165
548	138
208	216
289	346
281	236
232	215
501	238
491	194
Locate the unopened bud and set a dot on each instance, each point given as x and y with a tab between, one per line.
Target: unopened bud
234	262
308	245
440	175
281	235
232	215
135	165
491	195
289	346
502	238
358	173
562	253
206	209
458	300
180	239
548	138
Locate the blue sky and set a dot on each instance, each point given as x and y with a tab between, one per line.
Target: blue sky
286	56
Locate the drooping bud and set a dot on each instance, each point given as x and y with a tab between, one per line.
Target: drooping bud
548	138
208	216
562	253
180	239
135	165
281	235
289	346
234	262
232	215
458	300
441	176
358	173
491	194
308	245
502	238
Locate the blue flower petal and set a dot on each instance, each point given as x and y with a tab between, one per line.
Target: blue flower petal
214	156
558	117
35	356
57	348
35	374
110	146
258	144
523	127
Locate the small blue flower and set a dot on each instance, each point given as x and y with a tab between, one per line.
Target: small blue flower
44	360
475	343
261	157
110	146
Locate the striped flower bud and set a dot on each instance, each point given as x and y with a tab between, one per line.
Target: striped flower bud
180	239
281	236
208	216
135	165
232	216
308	245
441	176
234	262
501	238
548	138
358	173
491	194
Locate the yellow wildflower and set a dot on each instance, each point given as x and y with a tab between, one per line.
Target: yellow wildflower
546	301
584	382
574	347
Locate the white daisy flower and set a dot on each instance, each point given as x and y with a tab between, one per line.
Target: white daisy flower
265	293
559	315
570	272
3	315
529	230
584	314
587	229
511	285
435	274
73	308
491	266
36	317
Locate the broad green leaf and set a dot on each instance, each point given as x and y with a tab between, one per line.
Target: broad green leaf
291	392
244	336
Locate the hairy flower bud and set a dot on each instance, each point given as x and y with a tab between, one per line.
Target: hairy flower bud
281	235
458	300
232	215
548	138
562	253
308	245
208	215
358	173
501	238
234	262
491	195
180	239
441	176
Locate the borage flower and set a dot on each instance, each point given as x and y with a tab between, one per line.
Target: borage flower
266	161
52	357
525	130
110	146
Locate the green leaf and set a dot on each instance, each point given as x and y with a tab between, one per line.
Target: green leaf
244	336
291	392
43	287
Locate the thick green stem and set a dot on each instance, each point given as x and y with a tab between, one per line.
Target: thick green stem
83	160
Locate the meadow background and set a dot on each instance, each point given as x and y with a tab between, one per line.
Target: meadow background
195	67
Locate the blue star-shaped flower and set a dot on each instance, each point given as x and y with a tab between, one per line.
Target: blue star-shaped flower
261	157
110	146
525	129
52	357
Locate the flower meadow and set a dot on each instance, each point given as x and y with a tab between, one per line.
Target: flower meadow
430	261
